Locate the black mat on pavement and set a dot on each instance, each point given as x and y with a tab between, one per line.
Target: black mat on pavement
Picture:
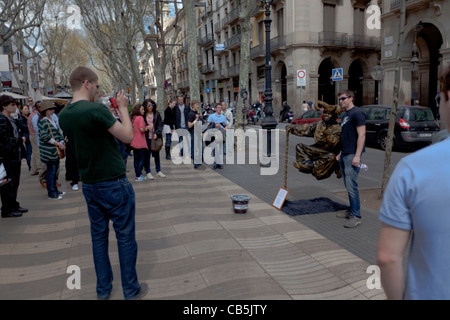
318	205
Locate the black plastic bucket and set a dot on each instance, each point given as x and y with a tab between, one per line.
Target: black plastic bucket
240	203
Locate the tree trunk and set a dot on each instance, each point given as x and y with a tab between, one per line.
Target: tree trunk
246	29
192	50
390	136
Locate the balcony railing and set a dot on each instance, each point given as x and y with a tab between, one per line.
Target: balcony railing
257	9
233	15
234	41
363	41
221	74
208	39
329	38
278	43
234	70
208	69
217	27
396	3
258	51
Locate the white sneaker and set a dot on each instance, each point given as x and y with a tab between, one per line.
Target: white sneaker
162	175
150	176
57	197
75	187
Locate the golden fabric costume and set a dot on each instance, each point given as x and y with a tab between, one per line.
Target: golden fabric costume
319	159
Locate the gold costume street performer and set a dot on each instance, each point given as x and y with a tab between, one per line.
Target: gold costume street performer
319	159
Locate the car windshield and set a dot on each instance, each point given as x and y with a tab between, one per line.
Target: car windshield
418	114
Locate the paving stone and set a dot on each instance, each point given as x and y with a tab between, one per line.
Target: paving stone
191	245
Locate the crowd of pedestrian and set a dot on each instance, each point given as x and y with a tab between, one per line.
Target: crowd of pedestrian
96	140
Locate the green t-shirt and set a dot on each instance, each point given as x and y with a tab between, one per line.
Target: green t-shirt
86	126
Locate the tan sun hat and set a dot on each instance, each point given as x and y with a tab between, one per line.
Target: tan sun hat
46	104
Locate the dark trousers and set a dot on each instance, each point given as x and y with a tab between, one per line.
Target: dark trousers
148	157
168	143
8	192
139	156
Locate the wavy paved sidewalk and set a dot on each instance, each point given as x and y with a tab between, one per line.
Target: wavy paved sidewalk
191	246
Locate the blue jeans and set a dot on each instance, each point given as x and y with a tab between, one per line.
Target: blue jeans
139	158
51	177
168	140
350	174
113	200
148	157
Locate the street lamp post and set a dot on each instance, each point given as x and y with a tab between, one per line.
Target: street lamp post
415	67
269	122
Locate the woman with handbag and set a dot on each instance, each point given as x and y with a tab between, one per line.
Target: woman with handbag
51	147
155	128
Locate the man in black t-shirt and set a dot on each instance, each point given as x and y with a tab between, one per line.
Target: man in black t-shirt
192	118
353	138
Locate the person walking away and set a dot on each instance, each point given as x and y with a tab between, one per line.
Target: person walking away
139	143
169	121
155	128
50	138
352	146
12	152
415	210
108	193
305	106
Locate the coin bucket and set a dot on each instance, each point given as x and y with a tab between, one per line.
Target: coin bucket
240	203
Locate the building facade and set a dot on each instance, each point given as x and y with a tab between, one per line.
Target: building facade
12	74
426	37
315	36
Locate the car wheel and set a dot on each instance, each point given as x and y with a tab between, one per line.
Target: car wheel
383	141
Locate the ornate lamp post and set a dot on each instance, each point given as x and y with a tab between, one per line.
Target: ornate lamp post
269	122
415	66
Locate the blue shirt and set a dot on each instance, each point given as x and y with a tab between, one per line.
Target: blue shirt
214	118
417	199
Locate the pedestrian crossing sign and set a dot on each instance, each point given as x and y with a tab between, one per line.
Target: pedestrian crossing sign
337	74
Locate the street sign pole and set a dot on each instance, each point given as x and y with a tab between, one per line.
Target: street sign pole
301	82
336	76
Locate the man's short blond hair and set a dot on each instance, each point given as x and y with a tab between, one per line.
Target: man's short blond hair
80	75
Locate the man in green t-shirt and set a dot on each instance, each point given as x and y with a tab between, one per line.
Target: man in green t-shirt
91	129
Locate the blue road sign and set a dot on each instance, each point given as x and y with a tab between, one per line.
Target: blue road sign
337	74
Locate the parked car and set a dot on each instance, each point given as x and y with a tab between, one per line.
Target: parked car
308	117
415	126
313	116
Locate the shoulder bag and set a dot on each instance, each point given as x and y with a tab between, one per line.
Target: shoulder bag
61	153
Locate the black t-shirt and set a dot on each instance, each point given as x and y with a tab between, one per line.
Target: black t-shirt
349	136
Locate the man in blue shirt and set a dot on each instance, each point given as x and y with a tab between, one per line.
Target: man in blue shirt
415	204
219	122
